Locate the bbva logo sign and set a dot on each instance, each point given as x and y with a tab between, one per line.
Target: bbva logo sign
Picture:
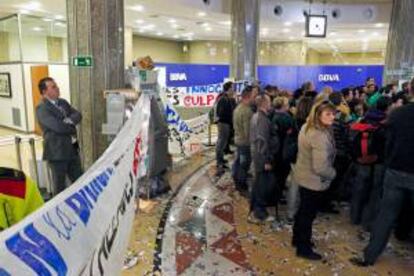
178	77
328	78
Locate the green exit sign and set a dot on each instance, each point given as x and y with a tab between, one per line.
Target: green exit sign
82	61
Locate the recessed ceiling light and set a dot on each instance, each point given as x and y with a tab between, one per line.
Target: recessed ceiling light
339	40
139	21
286	30
60	24
59	17
148	27
227	23
201	14
361	31
172	20
287	24
333	33
47	19
175	26
138	8
33	5
24	12
160	33
176	36
205	24
375	33
379	25
37	29
208	29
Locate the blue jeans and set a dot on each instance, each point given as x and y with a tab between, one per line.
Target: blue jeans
397	187
241	167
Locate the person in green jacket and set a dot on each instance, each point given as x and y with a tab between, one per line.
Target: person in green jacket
373	95
19	196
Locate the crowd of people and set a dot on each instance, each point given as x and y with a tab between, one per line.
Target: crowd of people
313	150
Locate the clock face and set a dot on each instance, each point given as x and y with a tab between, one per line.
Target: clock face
316	26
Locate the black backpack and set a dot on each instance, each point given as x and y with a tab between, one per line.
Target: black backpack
289	143
363	143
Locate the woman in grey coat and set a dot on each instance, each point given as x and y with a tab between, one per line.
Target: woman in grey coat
313	172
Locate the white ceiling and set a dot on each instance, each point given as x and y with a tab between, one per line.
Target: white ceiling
360	26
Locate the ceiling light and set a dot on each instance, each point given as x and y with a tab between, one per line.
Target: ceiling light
227	23
59	17
139	21
201	14
333	33
172	20
23	11
138	8
291	38
287	24
205	24
375	34
47	19
175	26
361	31
37	29
286	30
148	27
34	5
379	25
303	33
208	29
141	30
160	33
188	34
60	24
339	40
265	31
176	36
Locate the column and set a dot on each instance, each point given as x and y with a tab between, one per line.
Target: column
245	17
95	27
400	46
128	54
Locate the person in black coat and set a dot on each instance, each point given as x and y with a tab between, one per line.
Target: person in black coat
398	181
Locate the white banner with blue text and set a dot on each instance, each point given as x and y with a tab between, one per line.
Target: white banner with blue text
85	230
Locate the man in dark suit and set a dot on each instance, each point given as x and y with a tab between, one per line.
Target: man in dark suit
58	120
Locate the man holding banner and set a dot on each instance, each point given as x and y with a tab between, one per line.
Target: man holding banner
241	122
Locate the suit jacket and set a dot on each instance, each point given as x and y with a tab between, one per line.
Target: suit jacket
57	135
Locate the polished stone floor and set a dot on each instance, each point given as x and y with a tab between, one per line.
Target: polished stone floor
202	229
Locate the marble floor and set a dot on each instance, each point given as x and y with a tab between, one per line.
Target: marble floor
201	229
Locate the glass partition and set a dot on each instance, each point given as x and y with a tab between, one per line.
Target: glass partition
9	39
43	39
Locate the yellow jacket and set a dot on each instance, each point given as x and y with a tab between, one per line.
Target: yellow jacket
19	196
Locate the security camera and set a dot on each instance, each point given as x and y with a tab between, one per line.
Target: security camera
278	10
206	2
336	13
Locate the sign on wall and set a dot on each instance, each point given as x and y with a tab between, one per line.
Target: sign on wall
192	76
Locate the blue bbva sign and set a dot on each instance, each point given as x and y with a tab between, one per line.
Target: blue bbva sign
285	77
